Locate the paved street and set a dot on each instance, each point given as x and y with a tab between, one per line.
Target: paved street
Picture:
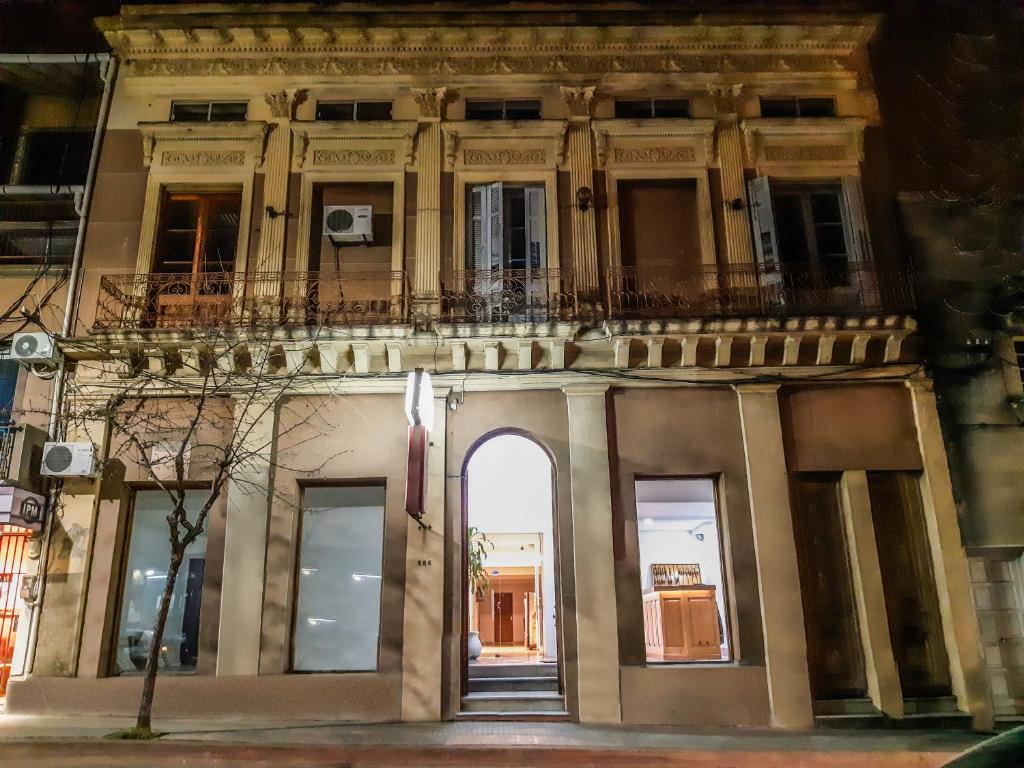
56	743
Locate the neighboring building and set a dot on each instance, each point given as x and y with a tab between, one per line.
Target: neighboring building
49	109
642	251
971	274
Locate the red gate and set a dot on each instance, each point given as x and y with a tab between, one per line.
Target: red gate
13	551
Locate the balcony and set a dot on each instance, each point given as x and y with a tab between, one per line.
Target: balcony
260	300
753	291
508	296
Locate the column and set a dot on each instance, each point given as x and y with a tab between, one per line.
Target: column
879	664
581	175
782	616
739	250
277	168
952	579
597	644
245	539
423	624
429	143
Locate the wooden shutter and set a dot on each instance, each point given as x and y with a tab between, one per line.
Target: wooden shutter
495	228
763	220
480	254
536	228
855	219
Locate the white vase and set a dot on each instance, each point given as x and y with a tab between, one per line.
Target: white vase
474	646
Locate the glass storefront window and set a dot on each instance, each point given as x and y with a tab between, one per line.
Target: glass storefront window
681	578
337	614
149	552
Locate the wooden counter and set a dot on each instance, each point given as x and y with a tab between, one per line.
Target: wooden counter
681	624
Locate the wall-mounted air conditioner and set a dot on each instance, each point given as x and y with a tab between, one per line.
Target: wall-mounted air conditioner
68	459
36	347
349	223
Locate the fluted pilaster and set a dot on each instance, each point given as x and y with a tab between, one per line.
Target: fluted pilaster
579	158
426	285
277	167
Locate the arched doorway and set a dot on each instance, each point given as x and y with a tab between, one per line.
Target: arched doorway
511	578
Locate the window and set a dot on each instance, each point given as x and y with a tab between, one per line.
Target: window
37	229
9	370
681	575
145	577
353	110
798	107
208	111
55	157
507	227
198	232
341	549
1018	354
802	228
641	108
507	109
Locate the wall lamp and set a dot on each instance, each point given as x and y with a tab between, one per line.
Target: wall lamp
584	198
736	204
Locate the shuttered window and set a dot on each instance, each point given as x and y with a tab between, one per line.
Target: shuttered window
507	227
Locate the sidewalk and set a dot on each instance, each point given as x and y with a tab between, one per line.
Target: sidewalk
45	742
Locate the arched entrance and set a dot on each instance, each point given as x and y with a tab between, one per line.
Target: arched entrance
511	643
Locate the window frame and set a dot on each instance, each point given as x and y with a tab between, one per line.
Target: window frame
205	199
209	110
653	102
506	227
120	575
464	180
355	110
730	619
375	482
504	109
798	107
805	189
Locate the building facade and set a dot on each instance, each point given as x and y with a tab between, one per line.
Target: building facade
646	244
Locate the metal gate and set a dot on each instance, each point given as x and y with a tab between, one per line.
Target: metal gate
13	559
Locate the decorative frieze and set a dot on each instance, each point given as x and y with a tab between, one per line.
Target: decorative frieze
216	144
504	142
804	140
655	155
373	143
504	157
353	157
202	158
656	140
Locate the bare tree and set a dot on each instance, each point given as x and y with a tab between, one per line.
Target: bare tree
198	416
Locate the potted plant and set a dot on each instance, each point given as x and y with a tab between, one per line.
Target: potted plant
478	581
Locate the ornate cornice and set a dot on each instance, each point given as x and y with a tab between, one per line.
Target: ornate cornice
384	143
487	142
656	140
204	144
797	140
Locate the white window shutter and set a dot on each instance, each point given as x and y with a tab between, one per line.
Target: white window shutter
855	218
763	219
536	228
480	245
495	228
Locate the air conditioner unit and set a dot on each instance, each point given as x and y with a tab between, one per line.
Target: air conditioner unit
21	508
35	347
349	223
68	459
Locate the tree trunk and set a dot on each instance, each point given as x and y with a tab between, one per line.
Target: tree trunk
153	657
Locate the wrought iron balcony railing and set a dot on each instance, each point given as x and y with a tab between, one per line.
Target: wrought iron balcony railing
209	300
755	290
508	295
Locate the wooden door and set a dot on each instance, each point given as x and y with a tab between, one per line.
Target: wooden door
911	599
835	656
503	618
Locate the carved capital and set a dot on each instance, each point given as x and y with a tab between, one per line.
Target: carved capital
577	101
282	103
430	101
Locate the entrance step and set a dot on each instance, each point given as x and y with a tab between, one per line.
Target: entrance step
513	703
825	707
513	670
933	712
545	684
930	706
